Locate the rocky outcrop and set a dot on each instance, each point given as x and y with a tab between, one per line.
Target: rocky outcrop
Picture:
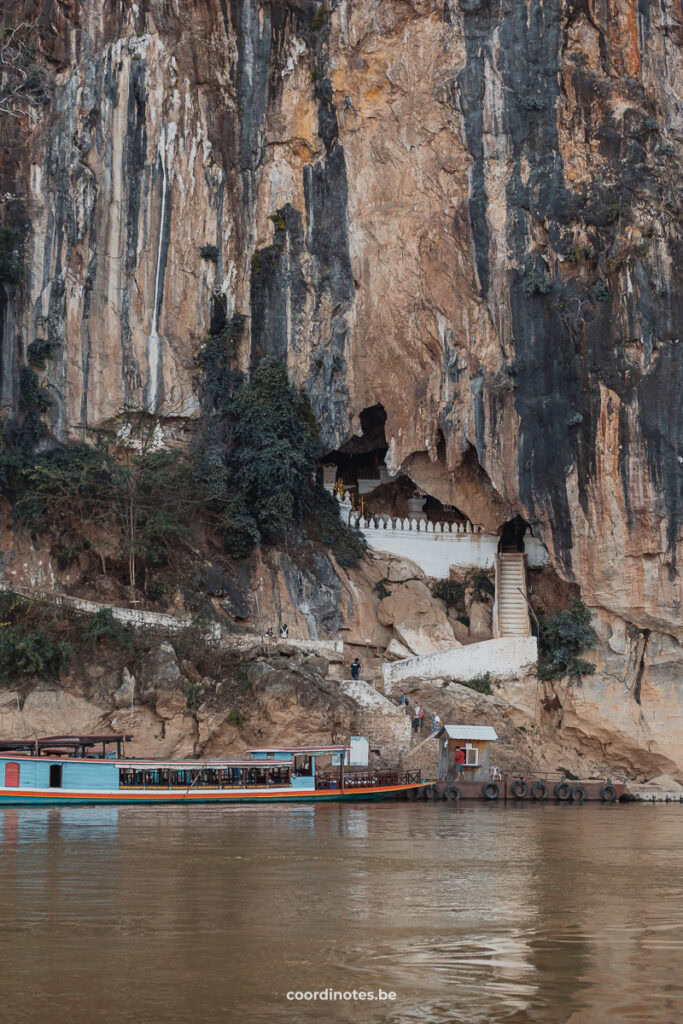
462	211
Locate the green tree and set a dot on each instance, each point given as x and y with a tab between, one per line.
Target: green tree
562	638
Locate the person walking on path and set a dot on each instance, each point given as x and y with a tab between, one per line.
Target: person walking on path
355	669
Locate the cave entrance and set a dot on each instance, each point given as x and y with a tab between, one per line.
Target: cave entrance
358	465
512	535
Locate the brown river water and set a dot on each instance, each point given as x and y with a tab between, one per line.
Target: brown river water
472	914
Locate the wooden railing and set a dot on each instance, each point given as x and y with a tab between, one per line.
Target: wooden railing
366	778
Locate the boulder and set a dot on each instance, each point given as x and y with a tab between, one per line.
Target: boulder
481	620
420	624
124	696
396	651
460	630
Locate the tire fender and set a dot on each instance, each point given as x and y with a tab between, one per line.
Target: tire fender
519	789
491	791
608	793
562	791
451	793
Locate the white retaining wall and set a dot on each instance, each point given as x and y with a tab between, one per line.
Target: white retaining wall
437	546
505	658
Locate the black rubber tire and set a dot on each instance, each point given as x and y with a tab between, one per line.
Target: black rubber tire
578	794
608	794
451	793
519	789
491	790
539	791
431	793
562	791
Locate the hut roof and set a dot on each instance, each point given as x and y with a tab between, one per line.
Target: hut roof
471	732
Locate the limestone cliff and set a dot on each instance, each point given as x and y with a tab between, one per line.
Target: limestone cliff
464	211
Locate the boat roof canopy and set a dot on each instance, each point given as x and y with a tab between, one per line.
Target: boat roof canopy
152	765
332	749
82	741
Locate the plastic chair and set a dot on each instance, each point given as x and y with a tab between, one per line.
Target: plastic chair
496	775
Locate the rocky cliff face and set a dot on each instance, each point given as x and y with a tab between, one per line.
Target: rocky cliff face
464	211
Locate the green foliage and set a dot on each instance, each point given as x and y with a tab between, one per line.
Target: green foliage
235	717
38	351
128	488
26	649
278	221
103	627
194	694
575	420
275	447
220	380
480	683
482	586
601	292
450	592
532	103
20	435
209	252
650	124
562	638
346	542
11	258
580	253
536	284
256	262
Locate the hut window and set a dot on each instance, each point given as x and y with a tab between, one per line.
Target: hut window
55	776
11	773
471	755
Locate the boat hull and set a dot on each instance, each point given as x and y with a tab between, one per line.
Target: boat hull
70	798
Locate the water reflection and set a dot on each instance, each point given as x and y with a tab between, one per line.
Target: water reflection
471	914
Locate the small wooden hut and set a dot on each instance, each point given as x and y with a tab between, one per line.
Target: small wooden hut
474	740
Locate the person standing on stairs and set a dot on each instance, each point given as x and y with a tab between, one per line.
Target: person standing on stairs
355	669
417	718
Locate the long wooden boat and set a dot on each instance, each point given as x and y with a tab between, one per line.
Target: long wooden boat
86	770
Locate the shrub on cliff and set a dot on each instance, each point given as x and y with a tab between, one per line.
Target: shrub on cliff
265	491
25	647
561	640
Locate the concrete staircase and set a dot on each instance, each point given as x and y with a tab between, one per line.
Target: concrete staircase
511	613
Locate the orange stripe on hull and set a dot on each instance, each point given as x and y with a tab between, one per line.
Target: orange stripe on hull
147	796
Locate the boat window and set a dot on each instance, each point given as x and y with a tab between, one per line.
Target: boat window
12	773
131	777
303	765
279	776
55	776
256	776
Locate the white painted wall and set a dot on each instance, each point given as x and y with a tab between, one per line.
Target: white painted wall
435	552
505	658
437	546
